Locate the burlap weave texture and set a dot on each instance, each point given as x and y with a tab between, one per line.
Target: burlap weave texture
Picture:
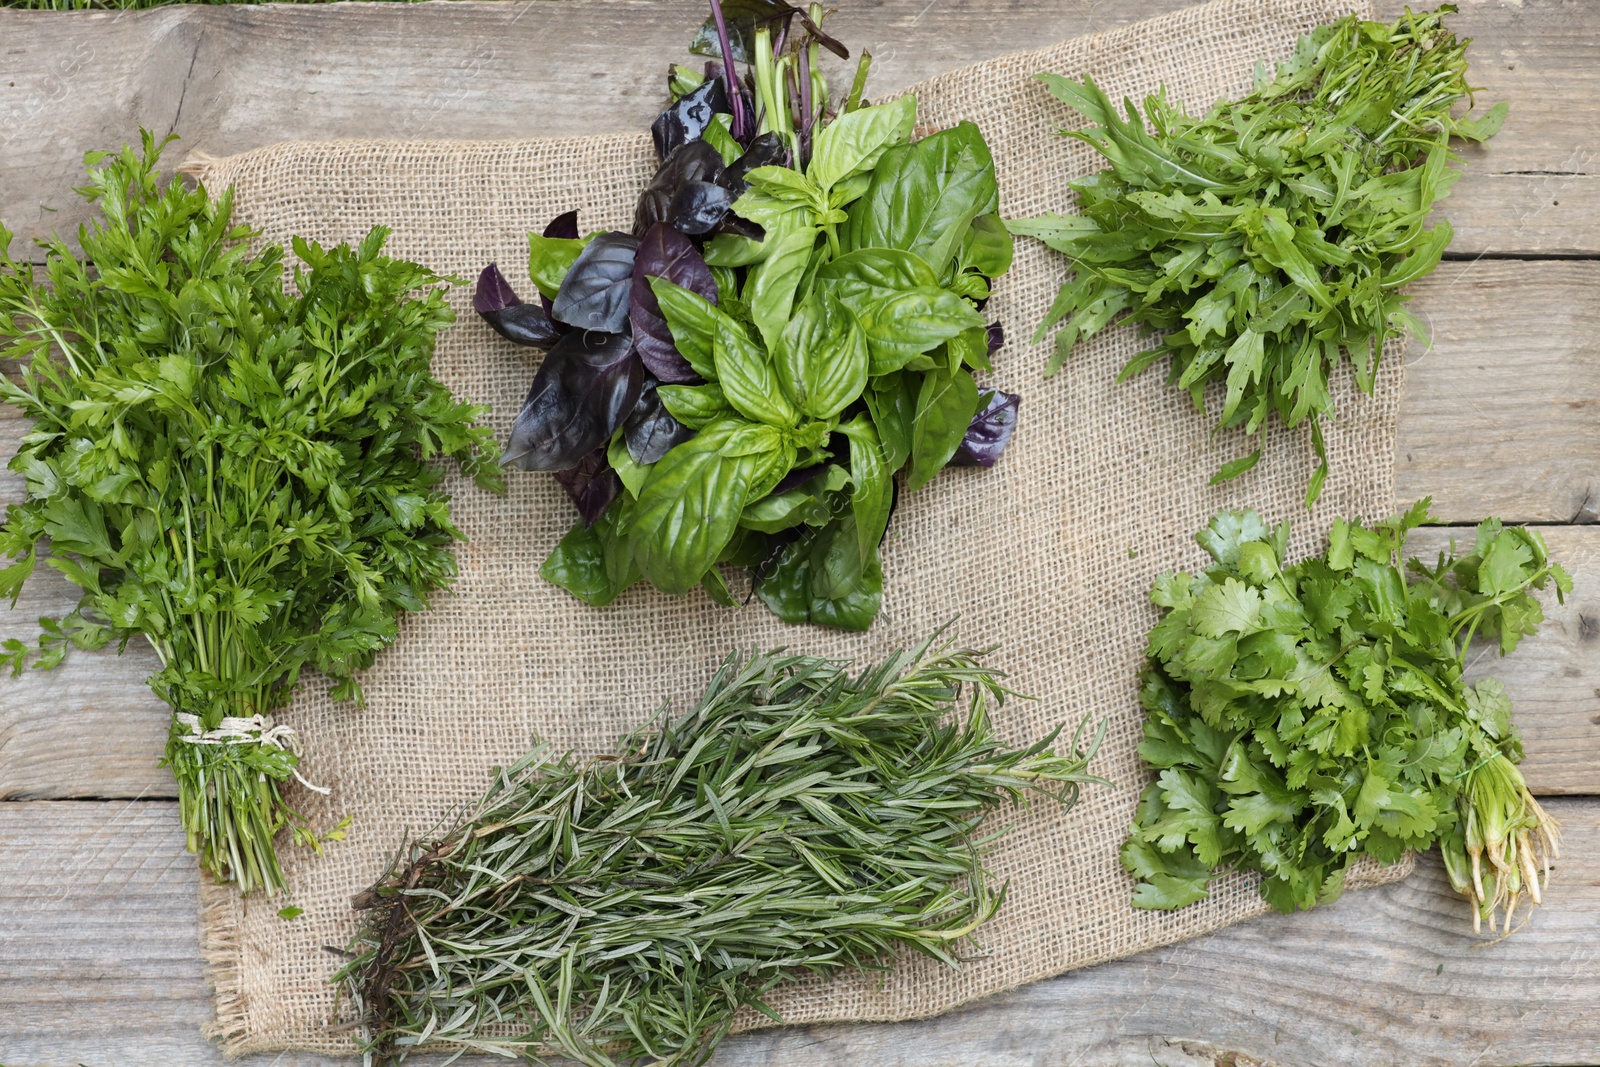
1050	554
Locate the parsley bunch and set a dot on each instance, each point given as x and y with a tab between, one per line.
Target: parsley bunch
1270	238
1304	715
235	474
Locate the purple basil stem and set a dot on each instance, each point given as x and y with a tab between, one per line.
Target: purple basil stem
665	253
594	294
493	292
997	337
588	384
592	485
741	124
989	432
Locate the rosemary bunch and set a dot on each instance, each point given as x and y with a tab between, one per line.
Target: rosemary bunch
798	820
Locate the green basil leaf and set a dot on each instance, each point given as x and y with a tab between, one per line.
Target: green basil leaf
945	406
808	504
901	324
782	185
633	476
689	508
892	399
884	268
970	348
771	289
716	588
925	197
692	319
986	247
549	259
695	405
719	135
745	373
853	142
821	578
821	356
873	493
594	563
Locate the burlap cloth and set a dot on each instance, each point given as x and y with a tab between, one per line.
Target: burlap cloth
1050	554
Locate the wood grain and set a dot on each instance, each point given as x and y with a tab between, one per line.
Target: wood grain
1502	416
237	77
100	931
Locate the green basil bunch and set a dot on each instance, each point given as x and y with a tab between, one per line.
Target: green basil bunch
839	351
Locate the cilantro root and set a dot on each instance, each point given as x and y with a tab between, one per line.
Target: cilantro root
1304	715
1503	845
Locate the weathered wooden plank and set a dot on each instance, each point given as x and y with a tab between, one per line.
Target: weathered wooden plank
231	78
101	967
1502	415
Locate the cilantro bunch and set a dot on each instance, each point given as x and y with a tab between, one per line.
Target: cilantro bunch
237	475
1304	715
1270	239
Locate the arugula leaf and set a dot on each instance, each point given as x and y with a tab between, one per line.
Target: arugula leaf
1267	239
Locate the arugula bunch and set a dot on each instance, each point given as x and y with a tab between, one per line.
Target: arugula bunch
1270	239
239	476
794	319
1304	715
800	819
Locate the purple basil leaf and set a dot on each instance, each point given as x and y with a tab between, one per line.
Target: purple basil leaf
699	206
588	384
563	226
524	324
498	303
687	119
989	432
997	337
665	253
696	161
594	294
766	150
592	485
798	476
493	292
651	431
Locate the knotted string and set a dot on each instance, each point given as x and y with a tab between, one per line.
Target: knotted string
250	730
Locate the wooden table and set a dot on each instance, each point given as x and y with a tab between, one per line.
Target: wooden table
98	960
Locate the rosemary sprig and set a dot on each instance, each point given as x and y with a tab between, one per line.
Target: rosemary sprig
798	820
